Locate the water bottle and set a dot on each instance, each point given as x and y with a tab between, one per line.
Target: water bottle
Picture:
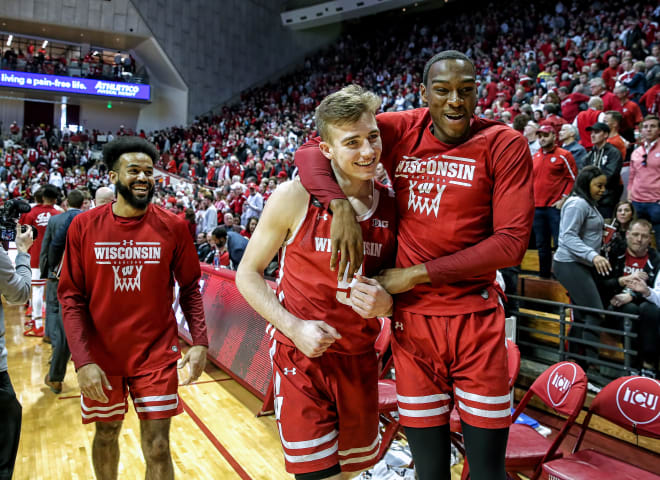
216	260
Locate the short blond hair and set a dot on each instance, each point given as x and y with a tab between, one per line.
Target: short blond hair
344	106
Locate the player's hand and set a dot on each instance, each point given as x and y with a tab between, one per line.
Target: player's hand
313	337
369	299
23	240
196	357
399	280
602	265
92	381
621	299
345	238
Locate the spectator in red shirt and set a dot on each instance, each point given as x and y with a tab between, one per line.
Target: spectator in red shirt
551	118
610	73
613	120
554	176
610	101
632	114
570	102
587	118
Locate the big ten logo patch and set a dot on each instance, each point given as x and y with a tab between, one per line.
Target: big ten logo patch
560	381
637	400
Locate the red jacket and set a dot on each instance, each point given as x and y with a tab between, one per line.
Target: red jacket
554	176
586	119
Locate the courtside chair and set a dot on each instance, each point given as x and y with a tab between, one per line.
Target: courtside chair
386	390
632	403
563	388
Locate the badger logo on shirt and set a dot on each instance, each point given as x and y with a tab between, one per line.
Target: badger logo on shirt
127	258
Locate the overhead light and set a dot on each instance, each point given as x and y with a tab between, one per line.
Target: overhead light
11	37
43	45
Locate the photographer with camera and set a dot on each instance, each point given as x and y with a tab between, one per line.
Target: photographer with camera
15	285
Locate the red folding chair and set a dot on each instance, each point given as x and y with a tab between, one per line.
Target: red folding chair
386	390
562	387
630	402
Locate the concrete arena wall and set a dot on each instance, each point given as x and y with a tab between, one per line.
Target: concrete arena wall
222	47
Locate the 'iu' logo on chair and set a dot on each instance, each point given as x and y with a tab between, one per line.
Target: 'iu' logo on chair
560	381
637	400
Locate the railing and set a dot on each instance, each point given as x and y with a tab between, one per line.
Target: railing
556	313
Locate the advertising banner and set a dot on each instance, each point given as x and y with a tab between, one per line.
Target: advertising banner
72	85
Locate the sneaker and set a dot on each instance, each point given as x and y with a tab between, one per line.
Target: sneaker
27	326
55	387
28	312
34	332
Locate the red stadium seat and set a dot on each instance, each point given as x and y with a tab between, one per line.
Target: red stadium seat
562	387
630	402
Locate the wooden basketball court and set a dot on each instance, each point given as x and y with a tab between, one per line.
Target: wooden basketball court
218	436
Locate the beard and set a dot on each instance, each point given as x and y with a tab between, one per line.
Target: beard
127	194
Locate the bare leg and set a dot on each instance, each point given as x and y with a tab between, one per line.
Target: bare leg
105	450
155	439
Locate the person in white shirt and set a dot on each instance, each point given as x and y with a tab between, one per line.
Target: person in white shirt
254	204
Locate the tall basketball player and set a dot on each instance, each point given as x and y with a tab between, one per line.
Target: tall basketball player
464	196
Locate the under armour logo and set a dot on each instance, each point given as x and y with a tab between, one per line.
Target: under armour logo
127	242
291	371
398	325
324	216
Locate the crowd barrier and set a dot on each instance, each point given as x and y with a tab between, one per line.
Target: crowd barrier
237	334
543	335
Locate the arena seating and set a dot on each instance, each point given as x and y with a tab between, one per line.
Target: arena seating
629	402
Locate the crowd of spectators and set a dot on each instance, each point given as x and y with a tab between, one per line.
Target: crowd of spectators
93	64
584	73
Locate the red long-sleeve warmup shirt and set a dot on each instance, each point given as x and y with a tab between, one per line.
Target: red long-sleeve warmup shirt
116	290
465	210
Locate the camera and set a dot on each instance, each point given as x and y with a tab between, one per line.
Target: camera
9	213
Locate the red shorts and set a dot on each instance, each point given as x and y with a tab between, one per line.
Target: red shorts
326	409
443	359
154	396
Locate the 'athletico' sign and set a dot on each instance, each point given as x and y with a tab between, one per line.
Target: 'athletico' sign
84	86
